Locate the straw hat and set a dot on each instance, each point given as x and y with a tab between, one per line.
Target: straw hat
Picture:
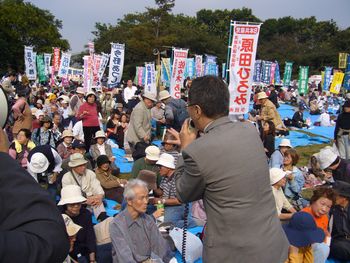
71	228
164	94
38	163
285	143
152	153
100	134
326	157
262	95
76	159
80	90
71	194
150	96
90	93
67	133
276	174
167	161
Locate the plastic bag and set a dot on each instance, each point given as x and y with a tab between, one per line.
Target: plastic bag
194	245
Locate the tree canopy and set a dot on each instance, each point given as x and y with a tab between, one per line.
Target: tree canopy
304	41
22	24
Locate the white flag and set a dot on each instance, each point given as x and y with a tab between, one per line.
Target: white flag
116	64
178	70
30	63
150	79
47	61
65	61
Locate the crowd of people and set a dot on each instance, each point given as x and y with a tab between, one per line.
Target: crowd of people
62	142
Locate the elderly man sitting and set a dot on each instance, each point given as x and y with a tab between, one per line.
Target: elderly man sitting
87	181
134	234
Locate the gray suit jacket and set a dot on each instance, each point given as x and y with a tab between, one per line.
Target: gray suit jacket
140	123
227	168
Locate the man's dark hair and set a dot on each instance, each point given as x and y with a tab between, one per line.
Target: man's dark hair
325	192
211	94
12	73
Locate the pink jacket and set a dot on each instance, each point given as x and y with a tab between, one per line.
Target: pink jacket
91	118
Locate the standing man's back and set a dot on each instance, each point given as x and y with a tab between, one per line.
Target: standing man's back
227	168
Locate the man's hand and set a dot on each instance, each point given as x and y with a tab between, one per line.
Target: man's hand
158	213
146	138
187	136
177	140
4	142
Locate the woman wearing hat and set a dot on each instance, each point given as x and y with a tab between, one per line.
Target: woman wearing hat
44	134
277	181
302	232
71	204
102	148
72	230
111	184
342	131
88	113
65	148
276	160
21	146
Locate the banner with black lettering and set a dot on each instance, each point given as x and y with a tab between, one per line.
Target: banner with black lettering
150	79
30	62
116	64
64	65
177	73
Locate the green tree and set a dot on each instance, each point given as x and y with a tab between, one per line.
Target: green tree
23	24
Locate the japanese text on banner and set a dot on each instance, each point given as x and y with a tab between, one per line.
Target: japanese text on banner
116	64
56	59
347	74
327	78
303	79
150	81
337	82
242	61
30	62
287	73
177	74
65	61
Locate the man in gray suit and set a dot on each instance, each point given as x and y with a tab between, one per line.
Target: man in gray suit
227	168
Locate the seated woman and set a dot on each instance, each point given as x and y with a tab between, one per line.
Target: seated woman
44	134
116	128
320	204
268	138
298	118
295	178
112	125
111	184
102	148
302	232
64	149
71	204
277	181
21	147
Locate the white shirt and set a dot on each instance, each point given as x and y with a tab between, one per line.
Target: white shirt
129	93
78	131
325	119
101	148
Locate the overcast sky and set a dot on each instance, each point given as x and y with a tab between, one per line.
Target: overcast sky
80	16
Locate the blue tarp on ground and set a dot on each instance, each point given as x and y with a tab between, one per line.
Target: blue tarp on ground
121	162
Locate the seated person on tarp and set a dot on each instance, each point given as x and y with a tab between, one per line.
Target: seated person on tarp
64	149
277	181
320	204
302	232
325	119
71	204
314	110
111	184
340	168
102	148
147	163
298	118
174	209
88	183
134	234
276	160
340	229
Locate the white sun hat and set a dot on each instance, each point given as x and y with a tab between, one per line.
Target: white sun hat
71	194
166	160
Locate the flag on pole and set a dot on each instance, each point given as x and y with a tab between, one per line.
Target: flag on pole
303	79
177	73
116	64
30	62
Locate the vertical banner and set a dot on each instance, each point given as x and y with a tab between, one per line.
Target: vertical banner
41	68
56	59
103	65
242	61
64	65
327	78
139	76
150	85
257	71
336	82
347	74
177	73
91	46
303	79
199	65
223	71
190	68
287	76
272	73
116	64
322	78
47	62
95	68
29	62
342	60
266	71
277	74
166	71
87	66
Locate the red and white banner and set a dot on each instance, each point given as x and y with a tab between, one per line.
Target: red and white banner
95	68
199	65
242	61
56	59
87	73
177	73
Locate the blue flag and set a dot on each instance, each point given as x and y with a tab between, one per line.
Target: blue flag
327	78
347	74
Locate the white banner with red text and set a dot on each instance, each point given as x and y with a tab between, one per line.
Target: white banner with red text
177	73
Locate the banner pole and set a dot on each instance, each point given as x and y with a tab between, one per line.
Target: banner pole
228	52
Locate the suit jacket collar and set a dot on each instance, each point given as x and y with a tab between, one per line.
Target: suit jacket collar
218	122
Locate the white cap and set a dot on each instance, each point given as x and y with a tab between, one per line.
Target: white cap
276	174
166	160
285	143
71	194
100	134
164	94
38	113
38	163
152	153
326	157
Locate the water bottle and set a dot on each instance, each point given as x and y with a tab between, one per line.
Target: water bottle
160	205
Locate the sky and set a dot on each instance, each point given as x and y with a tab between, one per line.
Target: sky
79	16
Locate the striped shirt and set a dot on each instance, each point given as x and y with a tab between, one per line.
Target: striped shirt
168	187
